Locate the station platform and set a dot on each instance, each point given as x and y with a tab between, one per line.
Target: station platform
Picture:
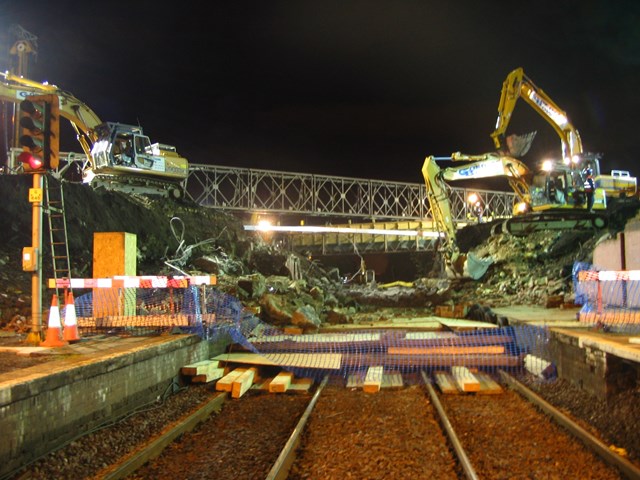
565	322
100	349
75	388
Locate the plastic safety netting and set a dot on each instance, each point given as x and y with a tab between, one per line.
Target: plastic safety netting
142	311
609	299
218	317
346	354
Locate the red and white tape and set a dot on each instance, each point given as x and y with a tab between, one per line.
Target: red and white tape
147	281
608	275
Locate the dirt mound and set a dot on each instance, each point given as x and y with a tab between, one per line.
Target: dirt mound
163	227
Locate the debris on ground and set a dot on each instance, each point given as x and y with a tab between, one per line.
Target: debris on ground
178	237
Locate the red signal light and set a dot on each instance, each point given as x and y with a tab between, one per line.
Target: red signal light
27	158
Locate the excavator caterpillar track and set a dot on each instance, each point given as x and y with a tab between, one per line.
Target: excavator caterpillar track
552	220
138	184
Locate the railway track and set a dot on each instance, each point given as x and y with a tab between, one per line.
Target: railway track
412	431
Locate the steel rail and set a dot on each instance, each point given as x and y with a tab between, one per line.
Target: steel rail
610	457
282	465
465	463
129	465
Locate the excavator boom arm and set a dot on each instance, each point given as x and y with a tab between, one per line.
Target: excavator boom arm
518	85
489	165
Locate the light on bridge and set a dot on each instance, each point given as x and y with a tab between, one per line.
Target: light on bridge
320	229
264	225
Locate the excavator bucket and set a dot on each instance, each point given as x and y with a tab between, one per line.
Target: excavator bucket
519	145
476	267
468	266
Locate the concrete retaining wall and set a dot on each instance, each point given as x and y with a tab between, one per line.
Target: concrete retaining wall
584	367
594	370
45	406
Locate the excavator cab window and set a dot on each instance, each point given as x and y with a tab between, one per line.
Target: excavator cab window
140	145
122	150
556	191
143	145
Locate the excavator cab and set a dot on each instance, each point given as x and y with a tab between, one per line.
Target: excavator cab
552	188
123	152
559	187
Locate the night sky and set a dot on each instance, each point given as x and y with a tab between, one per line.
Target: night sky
350	88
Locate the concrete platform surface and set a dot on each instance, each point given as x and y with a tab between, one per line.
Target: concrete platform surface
536	315
565	322
621	345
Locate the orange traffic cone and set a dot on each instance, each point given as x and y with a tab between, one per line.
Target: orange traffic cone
70	320
54	328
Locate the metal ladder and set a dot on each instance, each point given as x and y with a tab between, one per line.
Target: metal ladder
57	229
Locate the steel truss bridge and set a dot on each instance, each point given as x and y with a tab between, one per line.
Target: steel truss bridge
323	199
358	208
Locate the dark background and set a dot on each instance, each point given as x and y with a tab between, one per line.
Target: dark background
352	88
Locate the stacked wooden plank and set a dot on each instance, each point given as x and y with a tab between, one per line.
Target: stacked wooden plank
377	355
300	385
448	350
392	350
463	380
283	382
325	361
243	382
488	386
446	383
375	379
203	372
238	380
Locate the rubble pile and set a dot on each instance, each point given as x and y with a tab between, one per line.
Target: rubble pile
286	288
532	270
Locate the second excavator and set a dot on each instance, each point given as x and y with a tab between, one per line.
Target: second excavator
120	157
489	165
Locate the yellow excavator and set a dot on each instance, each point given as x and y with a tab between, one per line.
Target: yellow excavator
489	165
120	157
544	214
551	200
574	160
557	192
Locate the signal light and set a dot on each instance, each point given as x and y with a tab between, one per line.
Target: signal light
27	158
40	133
